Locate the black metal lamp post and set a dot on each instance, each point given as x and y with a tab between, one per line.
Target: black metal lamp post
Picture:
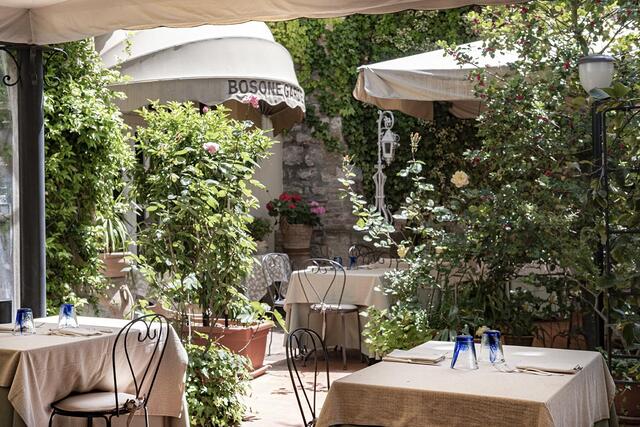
596	72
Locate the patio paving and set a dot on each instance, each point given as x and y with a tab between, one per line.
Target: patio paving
272	402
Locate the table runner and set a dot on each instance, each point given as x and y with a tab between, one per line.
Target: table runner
41	369
401	394
363	288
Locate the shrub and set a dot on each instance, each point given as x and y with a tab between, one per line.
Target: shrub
216	381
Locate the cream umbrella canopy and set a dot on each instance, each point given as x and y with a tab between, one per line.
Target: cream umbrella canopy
184	64
55	21
26	25
413	83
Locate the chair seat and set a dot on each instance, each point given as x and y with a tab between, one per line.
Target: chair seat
104	401
334	307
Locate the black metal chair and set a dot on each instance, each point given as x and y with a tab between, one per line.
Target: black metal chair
300	342
277	272
327	304
153	331
367	255
276	269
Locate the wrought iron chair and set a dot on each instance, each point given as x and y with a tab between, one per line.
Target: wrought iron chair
153	329
326	304
366	255
276	268
277	272
296	341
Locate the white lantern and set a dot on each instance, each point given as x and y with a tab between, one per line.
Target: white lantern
389	142
596	72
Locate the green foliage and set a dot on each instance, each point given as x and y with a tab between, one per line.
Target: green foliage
259	228
327	54
397	328
86	150
196	244
531	200
216	381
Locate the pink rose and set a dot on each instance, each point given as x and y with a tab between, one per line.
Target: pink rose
252	100
211	147
205	109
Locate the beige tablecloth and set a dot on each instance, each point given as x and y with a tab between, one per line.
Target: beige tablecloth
401	394
363	288
40	369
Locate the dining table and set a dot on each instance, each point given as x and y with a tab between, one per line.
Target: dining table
39	369
399	394
363	288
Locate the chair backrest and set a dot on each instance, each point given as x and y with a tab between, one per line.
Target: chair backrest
331	270
152	330
277	269
367	255
301	343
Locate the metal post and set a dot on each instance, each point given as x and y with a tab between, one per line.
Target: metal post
599	157
31	179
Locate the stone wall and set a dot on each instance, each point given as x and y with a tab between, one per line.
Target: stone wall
309	169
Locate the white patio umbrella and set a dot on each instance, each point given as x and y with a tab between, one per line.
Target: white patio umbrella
413	83
54	21
210	64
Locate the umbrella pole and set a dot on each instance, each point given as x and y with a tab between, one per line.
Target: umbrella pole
31	179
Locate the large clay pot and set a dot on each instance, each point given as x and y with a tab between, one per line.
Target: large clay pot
248	341
115	264
627	403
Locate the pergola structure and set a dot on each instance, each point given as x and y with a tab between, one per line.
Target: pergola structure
27	27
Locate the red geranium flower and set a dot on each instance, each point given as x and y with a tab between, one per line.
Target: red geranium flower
269	206
296	197
292	206
285	197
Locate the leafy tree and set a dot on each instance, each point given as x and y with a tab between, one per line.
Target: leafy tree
86	152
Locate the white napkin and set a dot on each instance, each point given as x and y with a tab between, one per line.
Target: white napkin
6	327
75	332
554	367
421	357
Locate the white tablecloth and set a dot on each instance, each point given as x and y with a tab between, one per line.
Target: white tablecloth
41	369
363	288
401	394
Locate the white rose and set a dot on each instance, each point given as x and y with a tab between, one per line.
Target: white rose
460	179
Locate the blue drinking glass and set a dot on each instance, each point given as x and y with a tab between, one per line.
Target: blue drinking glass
24	322
67	317
464	353
491	347
353	262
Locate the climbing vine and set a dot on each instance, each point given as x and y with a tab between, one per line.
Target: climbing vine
327	54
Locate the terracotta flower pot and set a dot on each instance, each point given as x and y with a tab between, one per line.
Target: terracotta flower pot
114	264
248	341
627	403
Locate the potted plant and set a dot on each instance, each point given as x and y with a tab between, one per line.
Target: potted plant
296	217
195	245
115	239
259	229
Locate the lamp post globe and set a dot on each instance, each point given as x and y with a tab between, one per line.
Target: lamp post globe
596	71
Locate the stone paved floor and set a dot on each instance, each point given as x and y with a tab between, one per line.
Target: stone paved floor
272	402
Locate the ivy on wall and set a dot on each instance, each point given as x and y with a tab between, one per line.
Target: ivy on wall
86	151
327	53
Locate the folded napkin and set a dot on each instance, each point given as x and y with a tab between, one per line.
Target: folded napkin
554	367
421	357
75	332
6	327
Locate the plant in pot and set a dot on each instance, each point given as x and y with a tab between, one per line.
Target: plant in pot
115	240
296	217
195	243
259	229
516	321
